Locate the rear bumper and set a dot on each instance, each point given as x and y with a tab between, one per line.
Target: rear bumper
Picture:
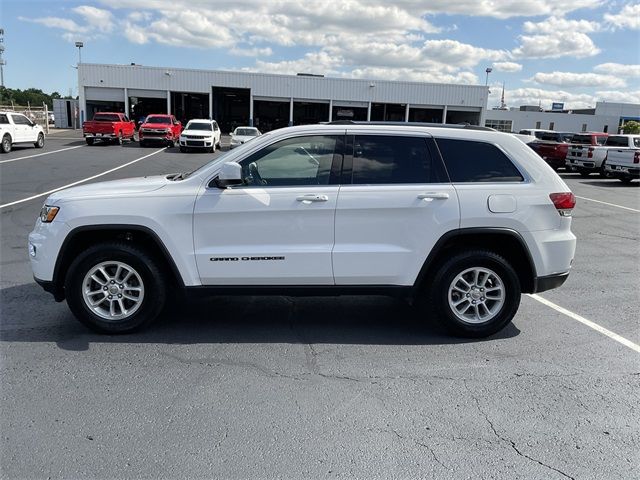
542	284
98	136
623	170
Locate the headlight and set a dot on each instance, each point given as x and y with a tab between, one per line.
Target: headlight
48	213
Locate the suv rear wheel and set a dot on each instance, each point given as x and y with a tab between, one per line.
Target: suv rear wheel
115	288
475	294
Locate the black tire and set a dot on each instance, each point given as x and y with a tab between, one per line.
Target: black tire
183	149
438	295
584	173
5	146
604	173
149	270
143	144
625	180
39	143
89	141
119	139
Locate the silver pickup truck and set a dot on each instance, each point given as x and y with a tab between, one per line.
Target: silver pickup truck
587	159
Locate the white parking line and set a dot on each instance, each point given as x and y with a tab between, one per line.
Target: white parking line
40	154
607	203
588	323
80	181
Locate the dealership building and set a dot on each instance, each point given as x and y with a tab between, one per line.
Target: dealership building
606	117
270	101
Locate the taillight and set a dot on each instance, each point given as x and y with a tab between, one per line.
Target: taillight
636	157
590	153
564	202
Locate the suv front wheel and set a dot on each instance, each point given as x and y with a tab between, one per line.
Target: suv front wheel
115	288
475	294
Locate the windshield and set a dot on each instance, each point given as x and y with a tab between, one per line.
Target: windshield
157	120
566	137
246	132
199	126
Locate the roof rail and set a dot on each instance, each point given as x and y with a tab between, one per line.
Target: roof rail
467	126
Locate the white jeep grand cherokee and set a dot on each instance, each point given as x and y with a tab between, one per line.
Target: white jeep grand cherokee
459	220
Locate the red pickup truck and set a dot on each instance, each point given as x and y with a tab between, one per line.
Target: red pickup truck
160	128
553	147
110	127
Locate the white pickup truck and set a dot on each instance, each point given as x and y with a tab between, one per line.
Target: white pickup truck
16	128
587	159
624	164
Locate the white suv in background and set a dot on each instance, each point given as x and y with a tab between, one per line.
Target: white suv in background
201	134
460	221
17	128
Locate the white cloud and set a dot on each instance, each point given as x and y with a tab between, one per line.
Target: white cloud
413	75
57	22
628	18
570	79
537	96
96	18
619	69
507	67
252	52
559	24
559	44
618	96
420	8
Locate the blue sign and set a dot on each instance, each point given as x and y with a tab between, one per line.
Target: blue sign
557	106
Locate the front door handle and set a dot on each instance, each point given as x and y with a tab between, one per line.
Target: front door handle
312	198
433	195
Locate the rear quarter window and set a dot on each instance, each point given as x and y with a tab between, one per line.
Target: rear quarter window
473	161
617	141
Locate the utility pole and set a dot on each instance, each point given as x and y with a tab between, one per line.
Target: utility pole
79	46
488	71
2	62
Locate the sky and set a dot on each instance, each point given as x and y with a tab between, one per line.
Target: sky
543	51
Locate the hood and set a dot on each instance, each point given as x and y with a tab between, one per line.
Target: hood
243	138
113	188
200	133
156	125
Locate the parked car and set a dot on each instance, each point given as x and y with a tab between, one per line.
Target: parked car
160	128
460	220
594	161
242	135
553	147
51	118
200	133
624	164
580	147
15	128
108	127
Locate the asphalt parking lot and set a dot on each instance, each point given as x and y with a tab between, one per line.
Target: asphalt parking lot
346	387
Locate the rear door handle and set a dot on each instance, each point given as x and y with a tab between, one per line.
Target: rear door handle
433	195
312	198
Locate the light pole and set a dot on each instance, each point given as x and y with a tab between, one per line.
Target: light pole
79	46
488	71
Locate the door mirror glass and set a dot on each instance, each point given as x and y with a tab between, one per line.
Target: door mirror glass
231	174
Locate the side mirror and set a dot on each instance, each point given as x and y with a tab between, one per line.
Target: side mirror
231	174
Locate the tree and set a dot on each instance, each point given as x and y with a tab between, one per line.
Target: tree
631	127
30	96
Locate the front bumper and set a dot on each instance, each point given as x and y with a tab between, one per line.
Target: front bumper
542	284
50	287
200	142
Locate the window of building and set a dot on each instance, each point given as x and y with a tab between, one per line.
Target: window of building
551	125
538	124
469	161
500	125
584	127
294	161
379	159
606	129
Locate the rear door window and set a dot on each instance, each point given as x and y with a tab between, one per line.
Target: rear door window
380	160
472	161
617	141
